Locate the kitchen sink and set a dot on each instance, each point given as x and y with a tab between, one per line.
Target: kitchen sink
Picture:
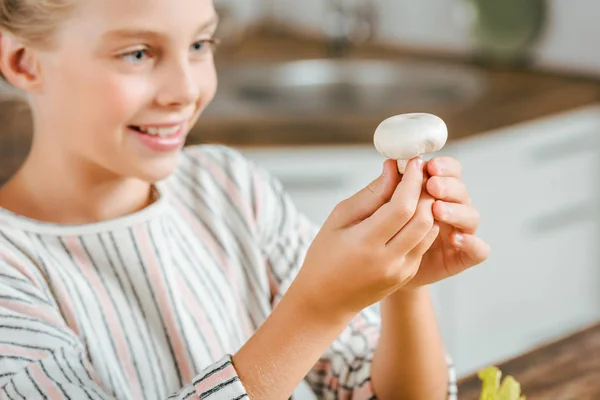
341	86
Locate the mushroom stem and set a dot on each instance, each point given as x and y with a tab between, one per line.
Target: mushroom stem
402	165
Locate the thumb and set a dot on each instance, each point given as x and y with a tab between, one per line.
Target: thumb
368	200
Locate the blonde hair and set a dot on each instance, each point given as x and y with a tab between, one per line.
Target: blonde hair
33	21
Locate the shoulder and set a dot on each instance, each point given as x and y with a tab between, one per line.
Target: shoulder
214	178
19	256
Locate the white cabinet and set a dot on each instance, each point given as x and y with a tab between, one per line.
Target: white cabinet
537	188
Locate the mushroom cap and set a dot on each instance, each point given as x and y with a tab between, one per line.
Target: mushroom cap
405	136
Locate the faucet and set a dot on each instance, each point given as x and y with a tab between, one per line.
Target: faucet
349	22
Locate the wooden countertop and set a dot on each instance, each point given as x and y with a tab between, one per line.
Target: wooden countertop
511	96
567	369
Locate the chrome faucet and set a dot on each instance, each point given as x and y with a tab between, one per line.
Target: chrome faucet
349	22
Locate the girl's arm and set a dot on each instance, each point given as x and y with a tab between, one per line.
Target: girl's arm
410	357
42	358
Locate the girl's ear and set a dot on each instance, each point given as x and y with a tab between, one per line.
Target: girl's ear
18	63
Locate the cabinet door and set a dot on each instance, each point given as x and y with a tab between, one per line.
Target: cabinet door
536	186
318	178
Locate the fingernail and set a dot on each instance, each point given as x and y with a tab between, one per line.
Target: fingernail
445	210
420	163
459	239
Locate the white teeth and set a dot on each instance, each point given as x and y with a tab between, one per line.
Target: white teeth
162	132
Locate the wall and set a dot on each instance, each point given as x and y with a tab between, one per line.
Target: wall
436	24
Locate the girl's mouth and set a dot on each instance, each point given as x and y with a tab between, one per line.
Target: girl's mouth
157	131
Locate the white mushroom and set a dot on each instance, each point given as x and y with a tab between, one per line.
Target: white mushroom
406	136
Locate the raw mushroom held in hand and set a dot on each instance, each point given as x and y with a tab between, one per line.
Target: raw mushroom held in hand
406	136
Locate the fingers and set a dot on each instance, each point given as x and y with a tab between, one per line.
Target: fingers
460	216
427	241
473	249
364	203
444	166
392	216
449	189
417	229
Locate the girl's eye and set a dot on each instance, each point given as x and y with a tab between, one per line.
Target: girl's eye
204	45
135	56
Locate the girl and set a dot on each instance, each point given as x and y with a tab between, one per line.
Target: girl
133	269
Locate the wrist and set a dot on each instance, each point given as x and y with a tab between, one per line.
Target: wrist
284	348
409	295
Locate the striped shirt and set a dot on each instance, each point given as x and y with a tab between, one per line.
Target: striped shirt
152	305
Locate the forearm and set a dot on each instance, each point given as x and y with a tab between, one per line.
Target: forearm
284	349
409	362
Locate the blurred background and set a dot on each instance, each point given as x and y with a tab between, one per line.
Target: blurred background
304	84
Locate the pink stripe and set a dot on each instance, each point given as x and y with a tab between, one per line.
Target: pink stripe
198	313
166	307
22	351
258	199
65	302
228	185
46	385
215	379
12	262
206	238
35	312
222	257
109	311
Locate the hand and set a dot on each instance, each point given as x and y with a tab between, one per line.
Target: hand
370	246
457	247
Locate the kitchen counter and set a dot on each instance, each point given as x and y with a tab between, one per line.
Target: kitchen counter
511	96
566	369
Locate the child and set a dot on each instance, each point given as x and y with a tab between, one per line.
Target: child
133	269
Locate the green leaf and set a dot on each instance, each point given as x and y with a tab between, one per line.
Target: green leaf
491	389
510	389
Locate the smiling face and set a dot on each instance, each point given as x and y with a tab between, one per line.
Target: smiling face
124	83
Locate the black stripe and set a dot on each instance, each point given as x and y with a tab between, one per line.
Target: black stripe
54	380
35	384
156	362
240	250
186	247
162	265
132	317
68	364
91	329
116	311
27	346
6	391
60	367
18	358
241	397
89	377
140	261
32	330
49	288
17	390
257	296
17	299
14	278
195	259
212	372
30	294
199	333
219	387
